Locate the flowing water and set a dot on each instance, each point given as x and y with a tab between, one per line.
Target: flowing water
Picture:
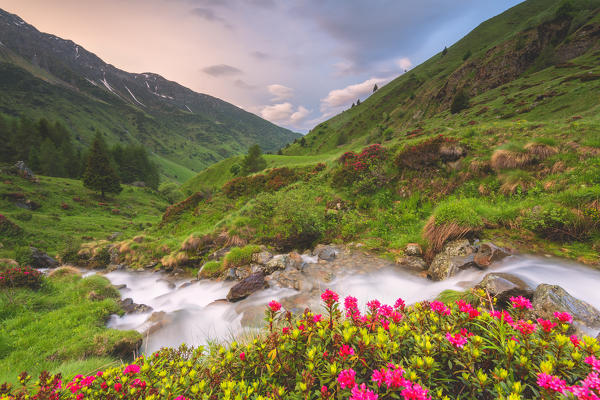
192	314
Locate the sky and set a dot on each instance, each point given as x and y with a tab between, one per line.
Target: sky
293	62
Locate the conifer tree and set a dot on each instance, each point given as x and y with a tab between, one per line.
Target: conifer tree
375	88
254	161
99	175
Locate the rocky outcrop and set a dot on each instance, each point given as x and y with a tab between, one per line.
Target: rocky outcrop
23	171
39	259
326	253
503	286
246	287
548	299
262	257
133	308
413	250
413	263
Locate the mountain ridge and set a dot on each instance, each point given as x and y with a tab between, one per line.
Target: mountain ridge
220	129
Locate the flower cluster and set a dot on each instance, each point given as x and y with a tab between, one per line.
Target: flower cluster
371	155
21	277
419	352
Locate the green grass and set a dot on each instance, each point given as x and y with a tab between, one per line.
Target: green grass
239	256
211	269
52	228
58	327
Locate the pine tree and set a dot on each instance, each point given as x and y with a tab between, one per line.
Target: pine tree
358	102
51	162
254	161
375	88
99	175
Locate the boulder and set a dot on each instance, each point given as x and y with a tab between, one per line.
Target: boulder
489	253
23	171
278	262
246	287
290	278
444	266
39	259
243	272
413	263
170	284
156	321
133	308
326	253
503	286
456	248
413	250
548	299
262	258
295	260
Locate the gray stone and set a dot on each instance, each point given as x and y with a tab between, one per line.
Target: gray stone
39	259
413	250
276	263
326	253
503	286
413	263
243	272
23	170
489	253
246	287
133	308
231	275
548	299
170	284
444	266
262	258
456	248
114	236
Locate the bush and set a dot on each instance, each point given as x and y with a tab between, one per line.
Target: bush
426	351
239	256
429	153
21	277
556	223
272	181
460	102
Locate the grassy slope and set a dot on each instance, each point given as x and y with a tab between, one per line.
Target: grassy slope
58	328
539	105
51	227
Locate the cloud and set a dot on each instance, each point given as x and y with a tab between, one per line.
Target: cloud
259	55
210	15
243	85
221	70
404	63
343	97
280	92
285	114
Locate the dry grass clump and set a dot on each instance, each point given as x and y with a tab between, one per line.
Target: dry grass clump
479	167
506	159
139	238
540	150
65	270
438	234
516	181
192	243
123	247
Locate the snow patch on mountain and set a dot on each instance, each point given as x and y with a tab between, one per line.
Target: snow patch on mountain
137	101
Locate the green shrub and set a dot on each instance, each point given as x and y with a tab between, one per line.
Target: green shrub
460	102
239	256
21	277
556	223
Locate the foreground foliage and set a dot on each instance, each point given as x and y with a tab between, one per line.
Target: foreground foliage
425	351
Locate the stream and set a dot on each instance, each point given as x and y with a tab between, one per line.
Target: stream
191	313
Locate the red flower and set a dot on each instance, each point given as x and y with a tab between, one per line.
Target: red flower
329	297
243	356
118	387
275	306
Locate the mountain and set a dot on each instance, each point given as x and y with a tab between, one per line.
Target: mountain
42	75
527	50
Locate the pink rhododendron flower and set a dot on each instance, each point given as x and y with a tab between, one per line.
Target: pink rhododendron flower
546	325
285	330
386	310
524	327
317	318
346	351
396	316
180	398
440	308
329	297
467	308
118	387
575	340
551	382
362	393
274	306
374	305
400	304
594	362
502	315
457	340
346	378
242	356
520	303
131	369
103	385
415	392
563	317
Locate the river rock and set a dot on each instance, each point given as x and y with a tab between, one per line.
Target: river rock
413	263
39	259
262	258
133	308
326	253
489	253
243	272
278	262
246	287
170	285
295	260
413	250
156	321
454	257
548	299
503	286
290	278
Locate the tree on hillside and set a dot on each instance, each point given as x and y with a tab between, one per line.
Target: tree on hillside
460	102
99	175
358	102
445	51
375	88
254	161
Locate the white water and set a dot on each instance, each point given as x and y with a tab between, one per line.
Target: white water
194	320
